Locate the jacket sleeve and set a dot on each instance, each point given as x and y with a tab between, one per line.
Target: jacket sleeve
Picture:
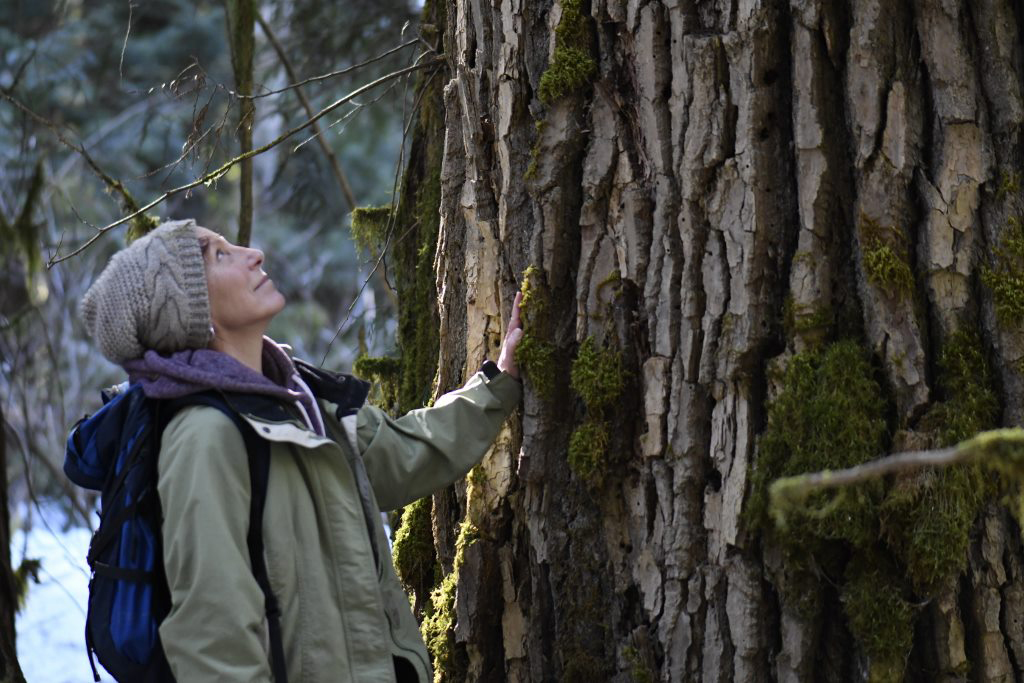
429	448
215	629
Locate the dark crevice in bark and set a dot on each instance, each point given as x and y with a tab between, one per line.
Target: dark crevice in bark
836	657
781	79
1010	618
972	645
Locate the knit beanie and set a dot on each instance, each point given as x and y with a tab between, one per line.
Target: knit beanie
151	295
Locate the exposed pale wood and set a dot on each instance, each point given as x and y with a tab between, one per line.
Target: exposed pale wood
721	169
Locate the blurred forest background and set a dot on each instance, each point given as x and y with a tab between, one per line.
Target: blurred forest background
147	90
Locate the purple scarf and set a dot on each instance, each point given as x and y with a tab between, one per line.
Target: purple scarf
195	370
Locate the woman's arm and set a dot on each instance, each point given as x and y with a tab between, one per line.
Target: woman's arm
215	630
429	448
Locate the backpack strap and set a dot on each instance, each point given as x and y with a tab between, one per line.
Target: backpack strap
258	451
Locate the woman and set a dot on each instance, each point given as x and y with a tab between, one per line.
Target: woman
184	310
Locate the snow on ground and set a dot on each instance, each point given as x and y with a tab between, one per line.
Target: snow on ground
51	627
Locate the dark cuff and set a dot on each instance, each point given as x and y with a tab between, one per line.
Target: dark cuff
490	369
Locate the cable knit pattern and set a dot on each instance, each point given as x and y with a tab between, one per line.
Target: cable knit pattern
151	296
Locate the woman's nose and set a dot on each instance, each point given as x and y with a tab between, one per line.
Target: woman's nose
255	257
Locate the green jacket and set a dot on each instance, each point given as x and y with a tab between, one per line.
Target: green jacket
344	614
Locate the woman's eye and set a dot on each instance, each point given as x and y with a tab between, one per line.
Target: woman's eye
220	252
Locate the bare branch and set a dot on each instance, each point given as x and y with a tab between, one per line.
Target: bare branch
124	46
127	201
213	175
392	219
327	76
339	174
1001	447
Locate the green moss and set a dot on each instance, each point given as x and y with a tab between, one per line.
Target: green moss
884	256
377	367
588	448
1009	184
597	375
1005	277
830	414
927	519
806	320
536	355
141	225
27	571
413	550
599	378
370	227
881	617
582	667
385	373
640	671
965	380
573	65
413	261
537	359
438	626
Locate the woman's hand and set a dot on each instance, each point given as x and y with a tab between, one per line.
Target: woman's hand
507	359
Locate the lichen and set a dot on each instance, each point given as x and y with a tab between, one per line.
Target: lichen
1005	276
573	65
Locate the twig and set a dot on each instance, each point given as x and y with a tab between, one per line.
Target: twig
339	174
359	294
225	167
392	219
324	77
127	201
1002	446
124	46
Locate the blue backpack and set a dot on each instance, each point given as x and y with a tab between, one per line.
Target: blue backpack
115	452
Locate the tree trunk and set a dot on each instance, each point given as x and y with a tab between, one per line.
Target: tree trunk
241	26
717	205
10	671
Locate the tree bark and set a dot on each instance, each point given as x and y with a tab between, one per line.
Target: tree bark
241	16
10	671
708	192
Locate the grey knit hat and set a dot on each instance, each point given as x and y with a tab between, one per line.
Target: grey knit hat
151	295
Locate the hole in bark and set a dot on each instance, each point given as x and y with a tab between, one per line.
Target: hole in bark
763	134
713	478
770	76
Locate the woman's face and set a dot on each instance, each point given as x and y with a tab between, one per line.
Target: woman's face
242	296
